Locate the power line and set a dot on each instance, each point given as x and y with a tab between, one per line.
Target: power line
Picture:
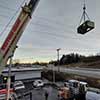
49	20
41	18
7	8
52	33
42	25
4	16
11	19
49	26
54	23
45	19
55	35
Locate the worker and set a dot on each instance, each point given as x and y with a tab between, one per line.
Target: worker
46	95
82	92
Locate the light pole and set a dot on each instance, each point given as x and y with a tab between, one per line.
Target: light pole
9	73
9	78
53	75
58	58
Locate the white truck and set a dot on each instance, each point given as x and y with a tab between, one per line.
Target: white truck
77	89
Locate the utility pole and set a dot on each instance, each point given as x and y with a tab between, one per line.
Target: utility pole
58	58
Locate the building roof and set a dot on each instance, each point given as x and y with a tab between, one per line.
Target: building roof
22	69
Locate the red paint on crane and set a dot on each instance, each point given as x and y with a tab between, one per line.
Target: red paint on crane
11	34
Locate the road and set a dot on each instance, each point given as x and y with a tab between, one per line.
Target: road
90	72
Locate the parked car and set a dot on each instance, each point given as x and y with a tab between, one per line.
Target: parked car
77	88
18	85
38	83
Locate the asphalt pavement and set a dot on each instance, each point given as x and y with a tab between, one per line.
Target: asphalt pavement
39	93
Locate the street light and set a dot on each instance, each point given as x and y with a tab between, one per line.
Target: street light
9	77
58	58
9	73
53	75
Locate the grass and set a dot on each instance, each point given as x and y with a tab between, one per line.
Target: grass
59	76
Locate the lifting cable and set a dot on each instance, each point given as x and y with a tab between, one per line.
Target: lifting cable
84	15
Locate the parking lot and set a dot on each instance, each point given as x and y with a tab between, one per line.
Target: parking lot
39	93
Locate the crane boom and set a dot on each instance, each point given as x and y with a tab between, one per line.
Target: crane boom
14	35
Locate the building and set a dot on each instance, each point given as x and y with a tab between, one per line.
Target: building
24	73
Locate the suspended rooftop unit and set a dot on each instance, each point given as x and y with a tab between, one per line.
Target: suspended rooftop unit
85	27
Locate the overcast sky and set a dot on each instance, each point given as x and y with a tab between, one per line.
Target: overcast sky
53	25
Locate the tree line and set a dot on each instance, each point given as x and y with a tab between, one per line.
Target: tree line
75	58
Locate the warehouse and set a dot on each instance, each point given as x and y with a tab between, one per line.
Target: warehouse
24	73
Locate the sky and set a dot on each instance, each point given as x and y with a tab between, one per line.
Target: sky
53	25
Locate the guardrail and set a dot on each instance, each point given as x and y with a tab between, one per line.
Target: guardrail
94	90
